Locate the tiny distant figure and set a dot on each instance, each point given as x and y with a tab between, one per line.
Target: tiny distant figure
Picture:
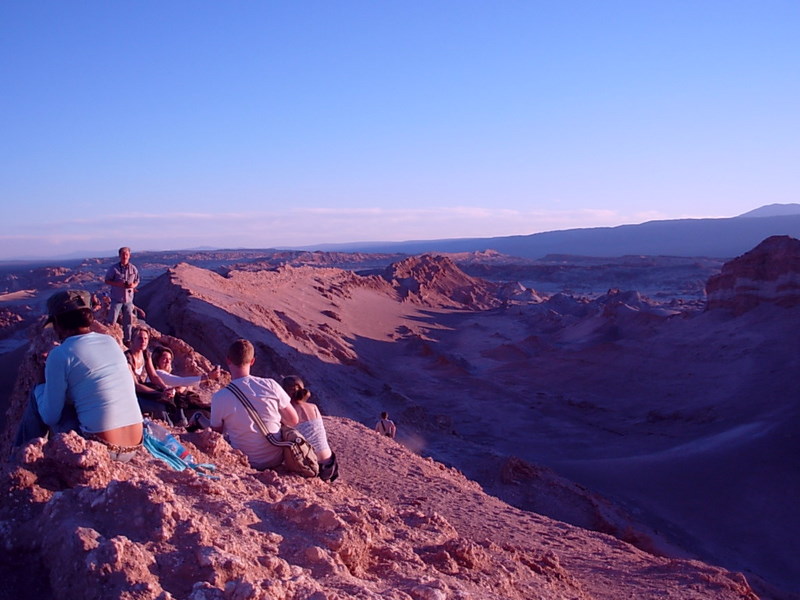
271	402
87	385
385	426
123	277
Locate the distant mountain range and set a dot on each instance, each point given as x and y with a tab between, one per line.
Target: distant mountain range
714	238
718	238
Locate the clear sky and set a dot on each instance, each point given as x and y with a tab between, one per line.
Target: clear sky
166	125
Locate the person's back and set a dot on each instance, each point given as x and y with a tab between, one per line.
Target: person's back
385	426
87	385
310	424
271	402
96	378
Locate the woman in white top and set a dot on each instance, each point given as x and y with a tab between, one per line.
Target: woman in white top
310	424
155	397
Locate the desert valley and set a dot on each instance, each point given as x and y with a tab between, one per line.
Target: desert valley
569	427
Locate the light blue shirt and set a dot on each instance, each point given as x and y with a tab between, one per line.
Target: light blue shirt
89	371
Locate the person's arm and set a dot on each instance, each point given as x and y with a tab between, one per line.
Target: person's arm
289	415
177	381
112	278
135	282
51	396
151	372
217	418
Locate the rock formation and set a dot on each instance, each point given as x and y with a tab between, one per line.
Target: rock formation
767	274
78	526
437	281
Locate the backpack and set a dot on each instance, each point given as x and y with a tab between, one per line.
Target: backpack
298	455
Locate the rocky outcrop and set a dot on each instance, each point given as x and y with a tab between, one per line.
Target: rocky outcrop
78	526
436	280
767	274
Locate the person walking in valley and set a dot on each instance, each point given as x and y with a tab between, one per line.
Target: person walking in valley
386	426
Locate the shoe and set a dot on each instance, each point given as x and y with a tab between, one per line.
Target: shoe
194	423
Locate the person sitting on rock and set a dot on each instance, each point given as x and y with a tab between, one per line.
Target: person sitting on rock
385	426
273	405
310	423
155	397
87	385
163	359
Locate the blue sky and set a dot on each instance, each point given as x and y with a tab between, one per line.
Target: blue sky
165	125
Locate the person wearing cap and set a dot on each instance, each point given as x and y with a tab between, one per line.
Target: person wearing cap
88	386
123	277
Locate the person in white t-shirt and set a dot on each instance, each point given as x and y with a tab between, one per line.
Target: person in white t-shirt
272	403
386	426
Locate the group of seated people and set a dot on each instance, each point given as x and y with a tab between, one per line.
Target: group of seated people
159	391
93	387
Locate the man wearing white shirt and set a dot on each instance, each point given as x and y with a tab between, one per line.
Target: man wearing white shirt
272	403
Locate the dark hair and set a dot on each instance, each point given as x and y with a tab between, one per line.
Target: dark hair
290	380
159	350
384	415
75	319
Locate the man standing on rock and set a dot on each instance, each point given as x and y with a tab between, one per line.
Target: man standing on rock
272	403
123	278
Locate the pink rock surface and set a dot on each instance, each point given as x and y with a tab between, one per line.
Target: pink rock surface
76	525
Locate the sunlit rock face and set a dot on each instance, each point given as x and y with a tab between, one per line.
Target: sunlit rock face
769	273
437	281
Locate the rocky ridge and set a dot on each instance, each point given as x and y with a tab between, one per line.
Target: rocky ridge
769	273
78	526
